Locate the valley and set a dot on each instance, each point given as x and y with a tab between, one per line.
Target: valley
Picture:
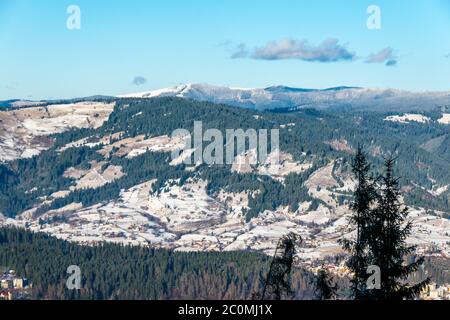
121	186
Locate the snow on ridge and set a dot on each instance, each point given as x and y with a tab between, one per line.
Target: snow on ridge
177	90
445	118
407	118
337	92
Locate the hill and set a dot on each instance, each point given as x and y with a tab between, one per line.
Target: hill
110	176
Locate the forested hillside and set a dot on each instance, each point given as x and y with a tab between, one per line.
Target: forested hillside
122	272
314	137
112	271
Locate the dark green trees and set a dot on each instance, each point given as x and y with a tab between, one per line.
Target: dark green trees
277	284
324	288
363	200
388	232
117	272
382	229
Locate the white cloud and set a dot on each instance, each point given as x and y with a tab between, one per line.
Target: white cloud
328	51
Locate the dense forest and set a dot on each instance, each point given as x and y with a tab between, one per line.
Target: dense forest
423	154
111	271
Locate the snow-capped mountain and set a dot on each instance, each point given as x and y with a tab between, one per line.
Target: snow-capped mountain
282	97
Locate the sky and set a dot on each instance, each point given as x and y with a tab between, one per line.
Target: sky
138	45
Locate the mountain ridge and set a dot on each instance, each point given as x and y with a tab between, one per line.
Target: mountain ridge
280	97
284	97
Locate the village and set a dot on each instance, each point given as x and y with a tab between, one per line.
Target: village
13	286
436	292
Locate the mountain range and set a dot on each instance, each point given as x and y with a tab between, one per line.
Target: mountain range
287	98
100	169
283	98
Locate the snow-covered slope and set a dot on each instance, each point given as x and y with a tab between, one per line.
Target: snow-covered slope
174	91
281	97
186	218
407	118
445	119
25	132
184	215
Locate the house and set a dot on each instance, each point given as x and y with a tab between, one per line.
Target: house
435	292
7	284
20	283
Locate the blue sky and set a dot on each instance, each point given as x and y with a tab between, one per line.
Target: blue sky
252	43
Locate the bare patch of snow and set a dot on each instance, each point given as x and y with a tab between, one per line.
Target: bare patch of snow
445	119
407	118
24	132
94	177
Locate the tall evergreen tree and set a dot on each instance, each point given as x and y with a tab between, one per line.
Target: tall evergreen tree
278	280
388	232
363	199
324	288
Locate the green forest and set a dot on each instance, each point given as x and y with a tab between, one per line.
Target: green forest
112	271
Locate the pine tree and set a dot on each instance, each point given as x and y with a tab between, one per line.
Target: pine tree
277	283
388	232
324	289
363	199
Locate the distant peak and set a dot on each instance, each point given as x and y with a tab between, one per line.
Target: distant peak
342	88
288	89
293	90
